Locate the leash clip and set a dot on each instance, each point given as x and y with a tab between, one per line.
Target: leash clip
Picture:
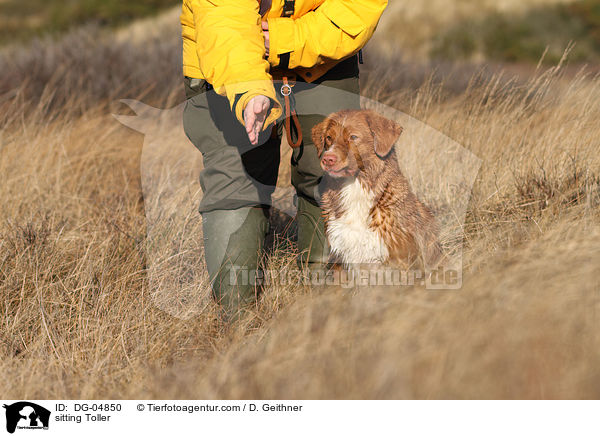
286	90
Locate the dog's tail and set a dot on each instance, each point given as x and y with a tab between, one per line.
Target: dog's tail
430	248
432	254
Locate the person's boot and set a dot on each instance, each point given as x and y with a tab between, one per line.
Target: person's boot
233	244
312	242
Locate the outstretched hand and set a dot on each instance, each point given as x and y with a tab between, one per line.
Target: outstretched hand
257	108
255	115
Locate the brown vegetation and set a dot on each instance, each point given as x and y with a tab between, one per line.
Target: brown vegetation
77	320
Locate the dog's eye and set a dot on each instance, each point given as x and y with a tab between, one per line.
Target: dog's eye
353	137
328	139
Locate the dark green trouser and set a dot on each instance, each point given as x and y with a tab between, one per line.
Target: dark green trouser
238	176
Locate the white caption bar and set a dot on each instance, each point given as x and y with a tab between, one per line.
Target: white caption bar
68	417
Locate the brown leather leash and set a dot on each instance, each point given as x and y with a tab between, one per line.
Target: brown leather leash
286	88
290	114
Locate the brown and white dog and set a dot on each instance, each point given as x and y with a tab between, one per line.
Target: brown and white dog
371	214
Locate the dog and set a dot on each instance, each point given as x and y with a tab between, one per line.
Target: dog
371	215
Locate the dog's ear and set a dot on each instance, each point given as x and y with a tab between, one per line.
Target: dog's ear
318	135
385	133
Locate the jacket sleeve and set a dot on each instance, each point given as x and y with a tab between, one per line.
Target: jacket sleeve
231	52
335	30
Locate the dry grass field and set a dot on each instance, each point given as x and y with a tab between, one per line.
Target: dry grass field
78	313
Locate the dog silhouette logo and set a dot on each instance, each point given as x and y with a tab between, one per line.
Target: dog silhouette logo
26	415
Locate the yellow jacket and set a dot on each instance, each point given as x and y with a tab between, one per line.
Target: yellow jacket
224	44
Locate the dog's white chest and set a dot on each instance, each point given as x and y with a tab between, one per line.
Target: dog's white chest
349	235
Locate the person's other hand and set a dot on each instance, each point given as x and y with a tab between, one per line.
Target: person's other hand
265	29
254	116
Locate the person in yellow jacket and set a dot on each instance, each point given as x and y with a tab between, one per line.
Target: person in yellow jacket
235	53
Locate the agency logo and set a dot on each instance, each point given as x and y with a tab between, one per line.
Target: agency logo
26	415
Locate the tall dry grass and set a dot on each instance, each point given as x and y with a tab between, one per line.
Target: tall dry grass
489	31
78	319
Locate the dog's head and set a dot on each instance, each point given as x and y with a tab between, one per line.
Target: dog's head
352	141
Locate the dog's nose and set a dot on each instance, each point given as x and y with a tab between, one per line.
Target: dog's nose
329	159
